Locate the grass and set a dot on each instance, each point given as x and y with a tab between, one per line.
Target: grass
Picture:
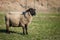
43	27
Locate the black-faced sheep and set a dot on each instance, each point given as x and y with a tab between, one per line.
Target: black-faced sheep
19	19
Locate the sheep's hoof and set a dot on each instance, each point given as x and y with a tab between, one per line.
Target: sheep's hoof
7	31
27	33
23	33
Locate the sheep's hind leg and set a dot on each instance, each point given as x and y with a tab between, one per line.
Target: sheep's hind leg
7	24
7	27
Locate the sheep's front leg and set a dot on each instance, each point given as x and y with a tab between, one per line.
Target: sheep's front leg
26	29
23	30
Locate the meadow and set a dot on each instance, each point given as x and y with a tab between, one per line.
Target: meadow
44	26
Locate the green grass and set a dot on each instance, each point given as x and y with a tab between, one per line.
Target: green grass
43	27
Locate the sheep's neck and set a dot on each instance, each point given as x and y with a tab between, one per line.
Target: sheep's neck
28	17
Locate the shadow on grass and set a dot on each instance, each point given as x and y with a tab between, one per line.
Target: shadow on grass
4	31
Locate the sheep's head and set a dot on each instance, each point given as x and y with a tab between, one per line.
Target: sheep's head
32	11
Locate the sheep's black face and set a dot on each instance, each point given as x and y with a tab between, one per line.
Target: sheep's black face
32	11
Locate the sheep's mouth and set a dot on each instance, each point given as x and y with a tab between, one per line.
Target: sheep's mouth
33	14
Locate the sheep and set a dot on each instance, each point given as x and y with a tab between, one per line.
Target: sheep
19	19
